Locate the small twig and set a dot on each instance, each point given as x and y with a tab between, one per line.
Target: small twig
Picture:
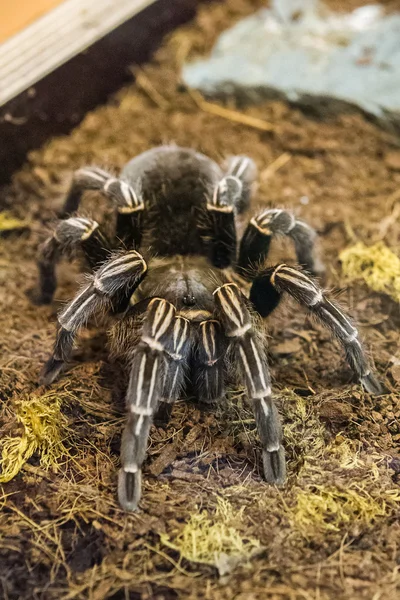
227	113
277	164
349	230
168	558
146	85
392	199
388	221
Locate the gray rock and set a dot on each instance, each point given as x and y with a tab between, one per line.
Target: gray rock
322	60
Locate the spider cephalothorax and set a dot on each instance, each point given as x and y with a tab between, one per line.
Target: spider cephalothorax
190	309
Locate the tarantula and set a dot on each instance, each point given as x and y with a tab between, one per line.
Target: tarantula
184	297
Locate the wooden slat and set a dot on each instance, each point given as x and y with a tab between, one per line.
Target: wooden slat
57	102
54	38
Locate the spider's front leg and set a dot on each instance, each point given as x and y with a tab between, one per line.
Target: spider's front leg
108	291
270	223
157	374
69	235
250	355
272	282
209	368
128	201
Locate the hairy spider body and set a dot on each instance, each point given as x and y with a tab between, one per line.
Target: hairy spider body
188	311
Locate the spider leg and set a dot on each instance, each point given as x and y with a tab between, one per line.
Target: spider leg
256	241
128	201
250	355
245	170
209	364
221	215
109	289
163	335
272	282
176	367
76	232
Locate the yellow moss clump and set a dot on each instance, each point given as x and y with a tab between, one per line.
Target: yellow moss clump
9	223
377	265
43	430
328	509
208	540
304	433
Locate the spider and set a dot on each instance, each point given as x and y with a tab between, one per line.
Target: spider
185	298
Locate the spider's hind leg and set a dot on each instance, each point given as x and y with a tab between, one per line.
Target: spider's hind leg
245	170
69	235
270	223
230	196
127	201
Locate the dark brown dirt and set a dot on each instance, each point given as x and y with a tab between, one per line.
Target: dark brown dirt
333	531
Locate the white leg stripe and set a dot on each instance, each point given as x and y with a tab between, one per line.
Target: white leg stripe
79	223
296	274
127	193
167	321
71	306
171	391
131	468
110	182
118	270
152	382
247	369
261	394
273	447
308	285
240	331
347	336
69	324
265	407
317	300
260	368
139	424
92	174
141	410
243	167
119	260
154	344
139	387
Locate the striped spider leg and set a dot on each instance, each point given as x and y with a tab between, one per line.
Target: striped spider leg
70	234
157	375
249	352
209	368
272	282
221	213
230	196
243	168
128	201
109	289
270	223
